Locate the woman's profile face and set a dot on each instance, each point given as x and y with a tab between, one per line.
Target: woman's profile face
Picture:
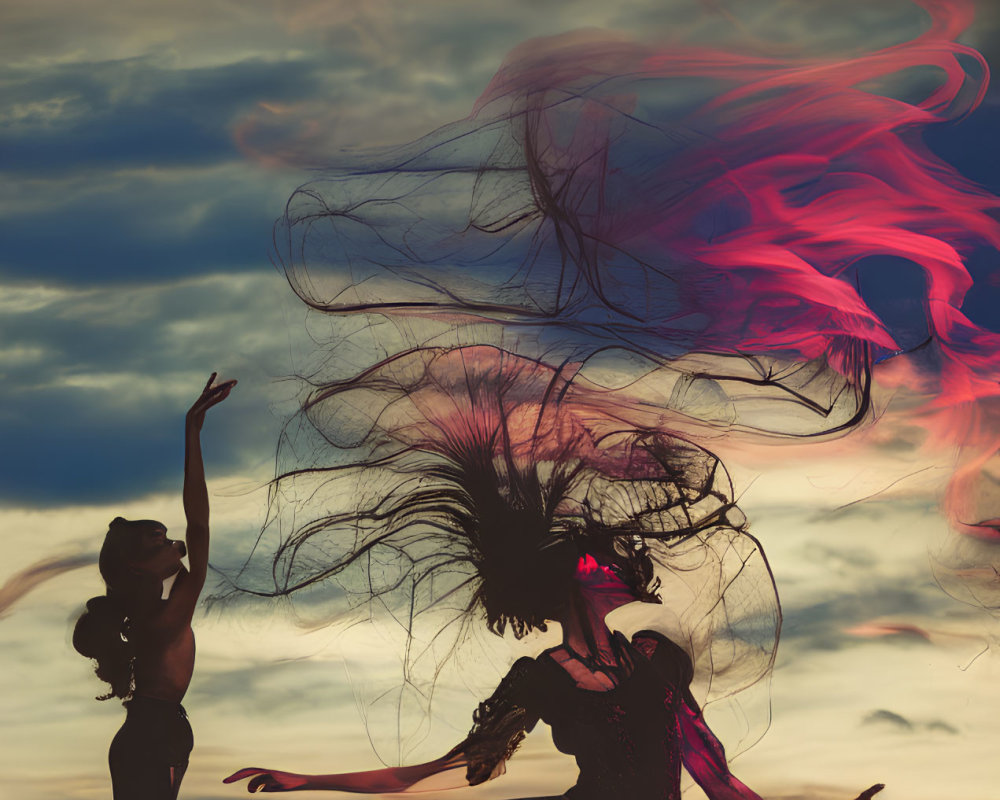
598	579
150	552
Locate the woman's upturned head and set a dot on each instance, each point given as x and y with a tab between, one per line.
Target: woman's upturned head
135	558
138	549
539	587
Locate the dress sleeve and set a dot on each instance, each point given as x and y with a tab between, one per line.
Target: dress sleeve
499	724
669	658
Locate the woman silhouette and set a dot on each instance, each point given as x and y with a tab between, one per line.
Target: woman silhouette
536	512
622	707
144	645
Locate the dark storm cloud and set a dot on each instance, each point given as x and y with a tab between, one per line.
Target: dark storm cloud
129	170
51	459
143	230
117	170
103	420
136	112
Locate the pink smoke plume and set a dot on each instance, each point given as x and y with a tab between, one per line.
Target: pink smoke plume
702	210
820	171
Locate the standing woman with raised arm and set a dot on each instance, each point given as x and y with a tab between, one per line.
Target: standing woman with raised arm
143	644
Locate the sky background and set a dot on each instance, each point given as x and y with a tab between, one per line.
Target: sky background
146	149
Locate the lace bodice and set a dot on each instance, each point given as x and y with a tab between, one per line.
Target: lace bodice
625	739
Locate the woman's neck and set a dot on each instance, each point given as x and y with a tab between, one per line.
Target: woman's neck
143	601
586	633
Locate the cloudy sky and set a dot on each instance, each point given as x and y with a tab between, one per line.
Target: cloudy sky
146	149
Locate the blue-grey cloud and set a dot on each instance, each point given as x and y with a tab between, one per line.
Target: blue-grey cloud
101	420
137	112
129	170
821	626
119	239
49	462
140	226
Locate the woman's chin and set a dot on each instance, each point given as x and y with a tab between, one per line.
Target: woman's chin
168	582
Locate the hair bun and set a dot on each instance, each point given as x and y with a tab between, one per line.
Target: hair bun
98	604
100	624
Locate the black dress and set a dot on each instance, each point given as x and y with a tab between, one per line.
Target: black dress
149	754
625	739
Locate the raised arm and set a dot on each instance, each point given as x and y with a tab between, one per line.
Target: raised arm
187	588
195	491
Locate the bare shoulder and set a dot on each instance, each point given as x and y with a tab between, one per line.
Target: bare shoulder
178	609
663	651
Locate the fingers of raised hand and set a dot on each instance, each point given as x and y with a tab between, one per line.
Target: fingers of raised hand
220	392
211	395
212	391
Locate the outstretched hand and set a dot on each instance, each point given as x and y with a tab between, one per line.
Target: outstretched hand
210	396
268	780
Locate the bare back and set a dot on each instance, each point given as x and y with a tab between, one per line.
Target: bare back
164	649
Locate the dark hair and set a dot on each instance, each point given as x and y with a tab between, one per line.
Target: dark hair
102	631
509	514
526	590
526	552
480	492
